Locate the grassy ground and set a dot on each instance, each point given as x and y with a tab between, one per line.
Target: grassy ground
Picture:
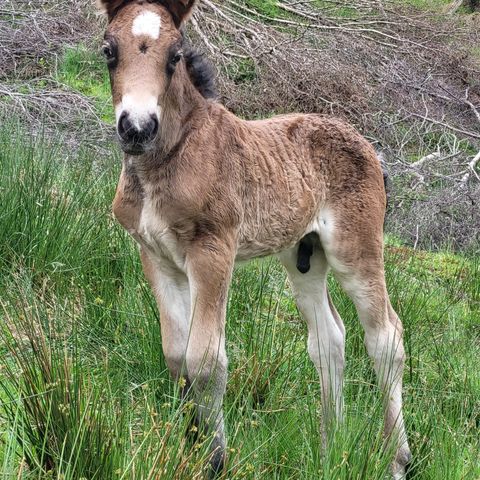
83	70
84	389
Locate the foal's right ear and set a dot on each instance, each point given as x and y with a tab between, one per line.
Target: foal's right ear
109	6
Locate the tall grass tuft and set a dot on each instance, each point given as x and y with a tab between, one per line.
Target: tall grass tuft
61	420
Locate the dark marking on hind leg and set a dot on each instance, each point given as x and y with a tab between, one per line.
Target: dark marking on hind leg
305	251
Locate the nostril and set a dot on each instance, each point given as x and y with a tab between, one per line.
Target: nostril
153	126
124	125
132	134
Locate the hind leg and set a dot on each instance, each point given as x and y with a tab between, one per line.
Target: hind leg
356	258
326	333
383	339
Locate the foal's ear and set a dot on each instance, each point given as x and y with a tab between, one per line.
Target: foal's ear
181	10
109	6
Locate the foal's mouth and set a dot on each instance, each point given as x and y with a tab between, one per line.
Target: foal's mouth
136	149
137	137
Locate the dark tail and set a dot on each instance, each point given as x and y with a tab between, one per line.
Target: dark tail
386	177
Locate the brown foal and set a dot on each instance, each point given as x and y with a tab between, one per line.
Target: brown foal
201	188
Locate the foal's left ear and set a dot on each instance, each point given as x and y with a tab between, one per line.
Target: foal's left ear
181	10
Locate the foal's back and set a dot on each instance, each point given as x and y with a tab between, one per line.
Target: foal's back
294	168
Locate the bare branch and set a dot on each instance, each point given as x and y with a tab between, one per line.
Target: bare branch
471	170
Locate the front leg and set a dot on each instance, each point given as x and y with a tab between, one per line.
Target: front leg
209	267
172	293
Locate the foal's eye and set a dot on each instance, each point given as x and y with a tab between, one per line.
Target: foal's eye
173	61
107	52
110	54
176	58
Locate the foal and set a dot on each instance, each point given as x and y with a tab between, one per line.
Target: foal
201	189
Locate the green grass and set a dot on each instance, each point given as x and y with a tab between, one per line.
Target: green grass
266	10
85	71
475	52
336	8
426	4
242	70
269	8
84	390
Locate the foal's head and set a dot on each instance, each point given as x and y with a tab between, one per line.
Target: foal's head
144	52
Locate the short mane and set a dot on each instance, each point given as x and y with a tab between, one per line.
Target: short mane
201	73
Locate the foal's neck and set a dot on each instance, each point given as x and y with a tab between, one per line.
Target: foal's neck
184	110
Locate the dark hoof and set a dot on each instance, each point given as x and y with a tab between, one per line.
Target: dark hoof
217	463
401	468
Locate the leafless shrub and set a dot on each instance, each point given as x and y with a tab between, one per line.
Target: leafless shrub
33	31
439	218
434	201
408	80
32	34
51	108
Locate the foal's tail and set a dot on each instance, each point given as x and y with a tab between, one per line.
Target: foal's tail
386	176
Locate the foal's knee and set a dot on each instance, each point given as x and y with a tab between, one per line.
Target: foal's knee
207	369
327	350
175	360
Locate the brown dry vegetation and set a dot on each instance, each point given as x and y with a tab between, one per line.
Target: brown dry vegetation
407	77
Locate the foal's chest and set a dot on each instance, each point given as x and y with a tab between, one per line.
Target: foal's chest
136	211
156	235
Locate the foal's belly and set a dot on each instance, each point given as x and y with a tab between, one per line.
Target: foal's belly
274	233
273	242
260	235
254	249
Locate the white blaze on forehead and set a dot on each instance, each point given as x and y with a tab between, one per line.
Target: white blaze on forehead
147	23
